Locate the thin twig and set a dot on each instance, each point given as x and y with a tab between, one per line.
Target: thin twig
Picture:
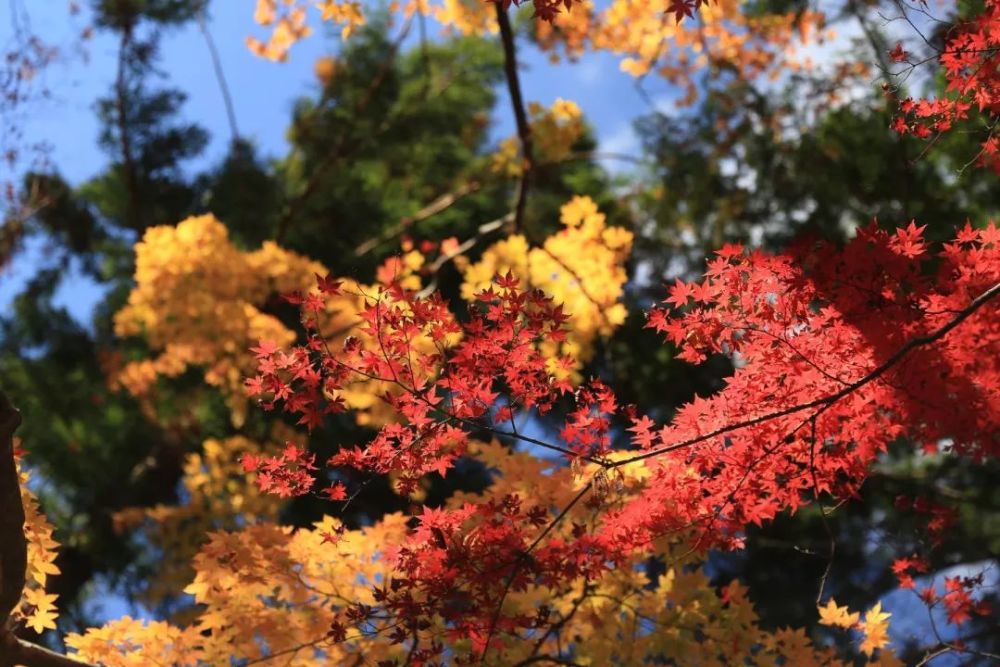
439	204
220	75
131	176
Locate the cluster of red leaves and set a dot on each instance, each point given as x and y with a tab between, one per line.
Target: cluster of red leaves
587	430
287	475
439	388
970	61
808	329
839	351
905	568
957	598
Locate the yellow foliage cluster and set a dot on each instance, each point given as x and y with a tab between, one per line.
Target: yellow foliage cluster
465	17
554	130
264	588
644	33
874	628
582	266
36	608
128	642
287	20
197	302
269	594
648	38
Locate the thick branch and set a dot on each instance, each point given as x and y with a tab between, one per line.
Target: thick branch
14	651
13	549
14	554
520	115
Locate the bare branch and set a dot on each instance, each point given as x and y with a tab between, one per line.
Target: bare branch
439	204
520	115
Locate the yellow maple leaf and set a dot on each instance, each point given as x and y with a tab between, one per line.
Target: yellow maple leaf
837	616
44	615
876	629
42	620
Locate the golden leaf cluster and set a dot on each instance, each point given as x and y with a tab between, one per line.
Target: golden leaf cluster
36	608
554	130
643	33
874	629
269	593
288	23
582	266
197	303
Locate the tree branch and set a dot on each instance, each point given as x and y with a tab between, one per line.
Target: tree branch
14	554
520	115
824	403
13	549
439	204
20	652
220	74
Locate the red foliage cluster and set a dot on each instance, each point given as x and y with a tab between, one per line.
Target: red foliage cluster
838	352
290	474
970	60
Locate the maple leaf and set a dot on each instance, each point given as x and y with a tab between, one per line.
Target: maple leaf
897	54
336	491
644	437
875	628
265	349
294	298
679	293
507	281
39	621
328	285
43	615
682	9
837	616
